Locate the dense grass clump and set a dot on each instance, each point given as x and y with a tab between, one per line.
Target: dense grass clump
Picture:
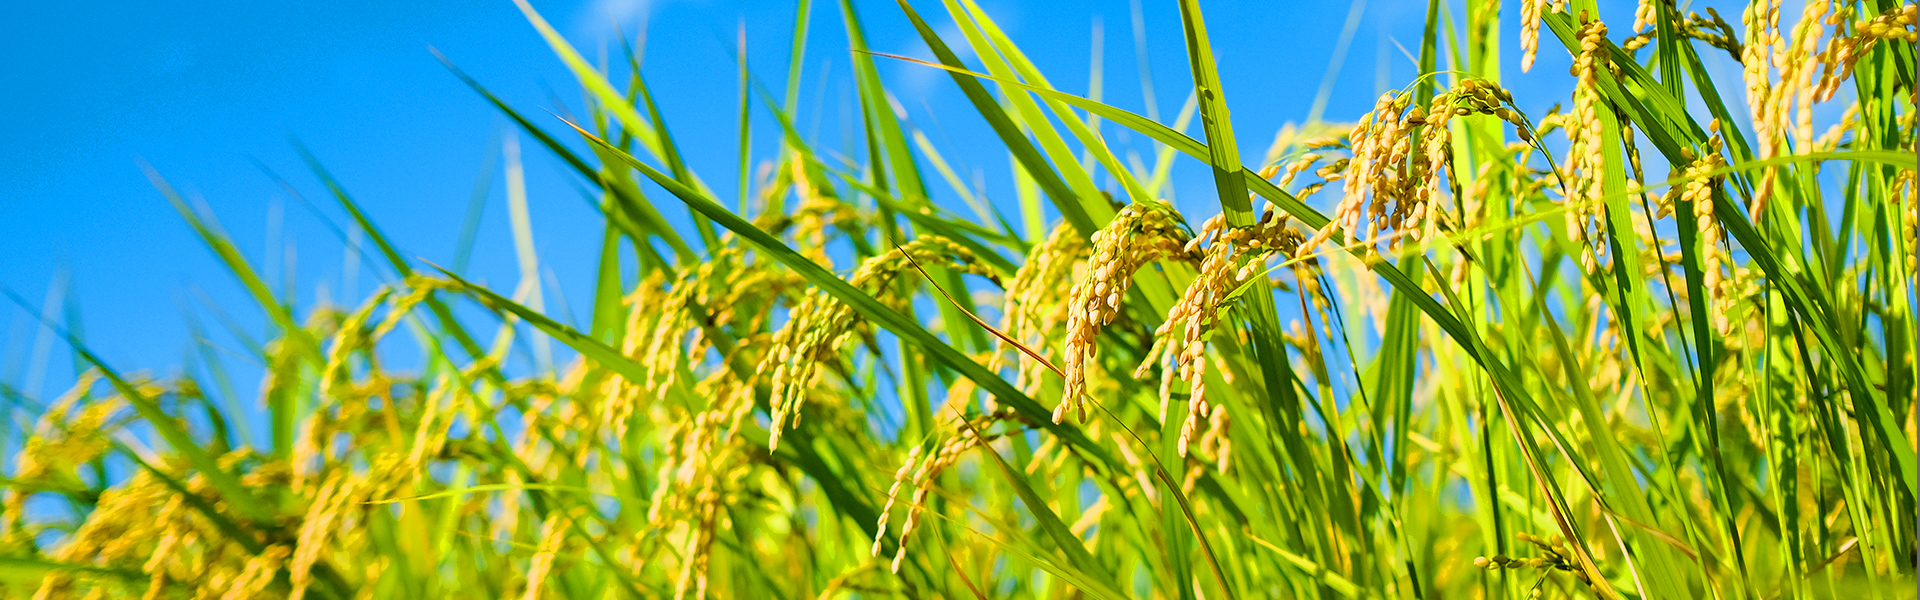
1638	348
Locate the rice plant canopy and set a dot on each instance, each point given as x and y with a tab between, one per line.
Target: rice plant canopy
1651	335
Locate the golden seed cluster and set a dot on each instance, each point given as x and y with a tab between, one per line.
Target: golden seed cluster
1713	30
1138	235
1837	61
705	467
1586	134
1765	51
817	327
1530	12
1034	307
920	475
1698	194
1390	188
1233	257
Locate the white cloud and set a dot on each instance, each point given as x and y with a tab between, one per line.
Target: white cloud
606	19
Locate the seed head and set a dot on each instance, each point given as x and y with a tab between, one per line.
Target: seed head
1138	235
816	329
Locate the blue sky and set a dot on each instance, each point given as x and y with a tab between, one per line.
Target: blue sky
203	90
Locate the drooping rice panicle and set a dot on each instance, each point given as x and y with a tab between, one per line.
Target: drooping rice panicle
965	437
1530	31
1762	55
1586	136
1138	235
1232	257
1035	304
817	327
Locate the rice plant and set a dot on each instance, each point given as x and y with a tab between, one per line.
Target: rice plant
1659	344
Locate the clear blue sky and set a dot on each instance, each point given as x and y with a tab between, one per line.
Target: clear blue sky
200	90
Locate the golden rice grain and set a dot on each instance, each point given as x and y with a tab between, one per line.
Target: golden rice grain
1139	234
817	327
1529	31
1036	300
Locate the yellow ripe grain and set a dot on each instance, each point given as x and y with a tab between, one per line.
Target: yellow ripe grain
1760	55
1138	235
646	319
1217	440
1797	82
1035	301
1529	31
1438	144
816	329
1587	139
900	479
1698	195
1231	257
966	436
1905	188
314	530
552	533
1837	61
253	582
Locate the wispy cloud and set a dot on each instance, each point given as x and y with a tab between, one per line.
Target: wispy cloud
604	19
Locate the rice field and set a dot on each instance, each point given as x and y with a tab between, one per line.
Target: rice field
1655	342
